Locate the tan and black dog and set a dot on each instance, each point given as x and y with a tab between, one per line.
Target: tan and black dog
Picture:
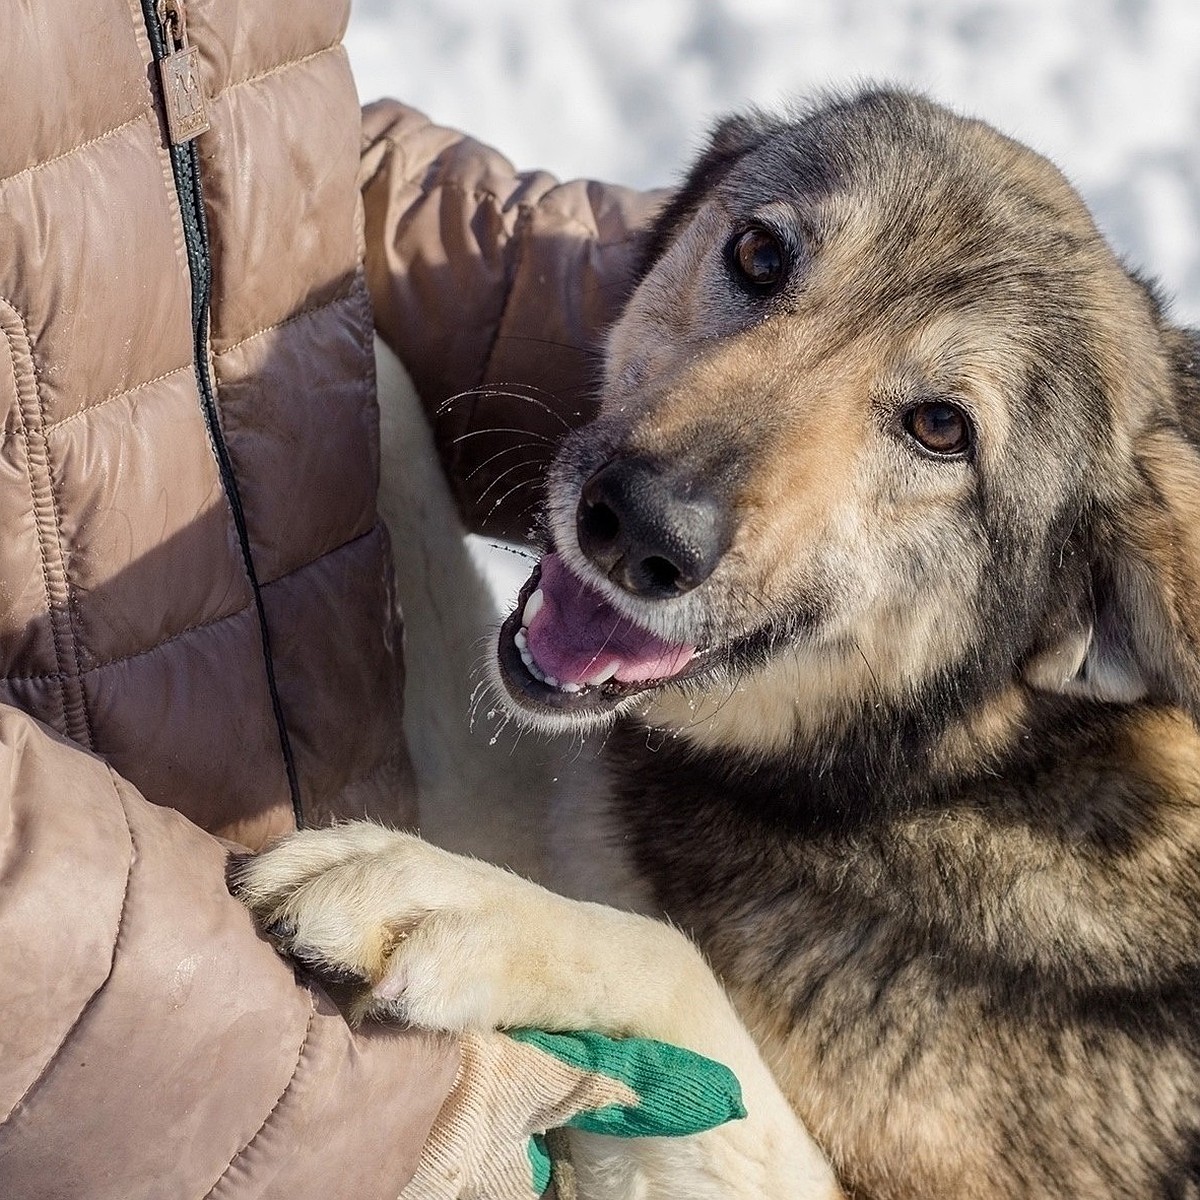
888	532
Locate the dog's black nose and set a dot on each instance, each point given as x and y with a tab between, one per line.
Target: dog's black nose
653	533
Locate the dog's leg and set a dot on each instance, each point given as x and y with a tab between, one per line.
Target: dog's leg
450	943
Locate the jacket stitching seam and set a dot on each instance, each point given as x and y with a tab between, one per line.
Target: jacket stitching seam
124	658
206	624
72	608
296	316
114	396
91	1000
24	433
100	137
43	555
308	1028
73	615
141	116
286	65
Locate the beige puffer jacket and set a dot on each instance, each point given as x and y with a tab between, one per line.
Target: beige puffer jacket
195	591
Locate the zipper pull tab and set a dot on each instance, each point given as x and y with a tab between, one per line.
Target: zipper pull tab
179	70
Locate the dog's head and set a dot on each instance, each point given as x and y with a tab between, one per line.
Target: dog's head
884	419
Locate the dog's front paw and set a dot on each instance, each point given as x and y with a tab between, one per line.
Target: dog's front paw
417	933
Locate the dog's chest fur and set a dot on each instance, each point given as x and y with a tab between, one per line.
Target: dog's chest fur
897	969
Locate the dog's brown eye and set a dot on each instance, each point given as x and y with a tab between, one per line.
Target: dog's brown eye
758	258
940	427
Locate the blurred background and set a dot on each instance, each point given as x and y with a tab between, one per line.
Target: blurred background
624	89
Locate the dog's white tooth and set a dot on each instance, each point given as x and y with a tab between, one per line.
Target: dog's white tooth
520	639
571	687
601	676
535	670
533	606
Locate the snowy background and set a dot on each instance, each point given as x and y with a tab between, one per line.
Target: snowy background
624	89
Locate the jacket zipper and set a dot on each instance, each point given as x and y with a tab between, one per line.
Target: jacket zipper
183	99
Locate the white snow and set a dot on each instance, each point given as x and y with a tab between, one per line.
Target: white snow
624	89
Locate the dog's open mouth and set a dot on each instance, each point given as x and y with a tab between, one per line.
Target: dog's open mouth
566	648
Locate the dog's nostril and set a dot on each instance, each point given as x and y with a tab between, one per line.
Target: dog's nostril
599	523
659	576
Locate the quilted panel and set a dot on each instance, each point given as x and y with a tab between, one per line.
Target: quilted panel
150	541
280	183
306	457
189	723
26	639
47	50
91	254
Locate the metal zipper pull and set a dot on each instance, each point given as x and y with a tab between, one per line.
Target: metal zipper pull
183	95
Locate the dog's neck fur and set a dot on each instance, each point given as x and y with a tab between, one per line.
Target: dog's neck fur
824	752
888	820
940	754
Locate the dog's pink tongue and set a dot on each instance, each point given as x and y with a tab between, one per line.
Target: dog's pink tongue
577	637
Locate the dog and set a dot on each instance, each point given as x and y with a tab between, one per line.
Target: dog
879	574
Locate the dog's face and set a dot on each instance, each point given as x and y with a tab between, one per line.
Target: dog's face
862	426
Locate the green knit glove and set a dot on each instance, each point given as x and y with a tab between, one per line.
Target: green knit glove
657	1090
489	1140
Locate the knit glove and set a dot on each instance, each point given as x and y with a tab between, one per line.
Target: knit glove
489	1143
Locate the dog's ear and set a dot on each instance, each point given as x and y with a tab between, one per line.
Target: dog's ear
1138	634
738	133
731	139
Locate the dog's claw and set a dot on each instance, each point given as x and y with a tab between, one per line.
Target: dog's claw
281	930
332	974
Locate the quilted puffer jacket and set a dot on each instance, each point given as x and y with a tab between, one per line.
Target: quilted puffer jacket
196	622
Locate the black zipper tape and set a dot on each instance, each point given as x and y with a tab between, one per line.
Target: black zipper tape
185	165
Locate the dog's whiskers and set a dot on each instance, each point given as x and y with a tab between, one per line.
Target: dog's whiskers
494	429
506	392
500	454
532	482
502	475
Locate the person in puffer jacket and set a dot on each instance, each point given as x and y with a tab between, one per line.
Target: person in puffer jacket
197	639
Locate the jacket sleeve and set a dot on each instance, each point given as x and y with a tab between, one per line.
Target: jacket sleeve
151	1042
494	287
